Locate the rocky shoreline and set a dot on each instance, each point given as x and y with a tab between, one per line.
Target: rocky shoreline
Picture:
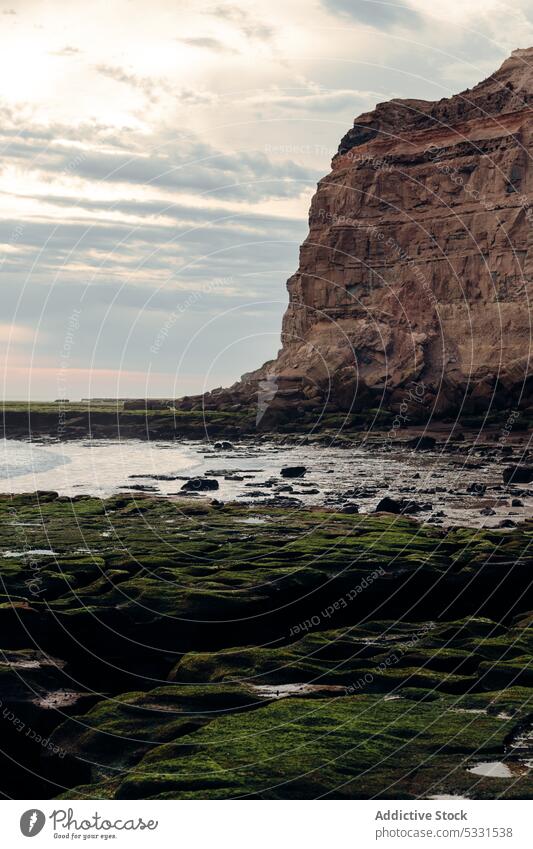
444	475
184	648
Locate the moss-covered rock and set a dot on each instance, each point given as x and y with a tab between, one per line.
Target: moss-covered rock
401	651
351	747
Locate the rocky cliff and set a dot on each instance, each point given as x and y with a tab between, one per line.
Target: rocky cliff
414	282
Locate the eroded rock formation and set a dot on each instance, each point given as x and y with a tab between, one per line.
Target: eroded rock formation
415	279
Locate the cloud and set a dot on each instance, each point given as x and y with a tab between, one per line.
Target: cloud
149	86
316	101
188	249
187	165
248	25
375	13
16	334
170	211
66	51
207	43
196	97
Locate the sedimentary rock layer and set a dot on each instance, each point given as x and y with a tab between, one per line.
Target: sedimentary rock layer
414	282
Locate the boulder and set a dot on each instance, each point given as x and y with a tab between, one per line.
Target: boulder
476	489
518	474
293	471
394	505
422	443
200	485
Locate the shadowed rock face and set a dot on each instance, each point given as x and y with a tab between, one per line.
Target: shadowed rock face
413	281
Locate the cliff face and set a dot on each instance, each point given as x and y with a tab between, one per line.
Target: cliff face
416	273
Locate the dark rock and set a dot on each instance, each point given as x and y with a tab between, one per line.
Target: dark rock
488	511
393	505
160	477
516	502
223	445
200	485
422	443
350	493
293	471
388	505
349	508
518	474
476	489
283	501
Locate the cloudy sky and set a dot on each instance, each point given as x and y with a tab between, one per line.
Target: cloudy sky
158	159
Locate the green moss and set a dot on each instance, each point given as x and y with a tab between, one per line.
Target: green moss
116	732
358	747
309	597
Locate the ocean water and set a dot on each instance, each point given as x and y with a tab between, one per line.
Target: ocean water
98	467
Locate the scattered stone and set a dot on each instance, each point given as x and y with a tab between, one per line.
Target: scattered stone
140	487
393	505
477	489
349	508
422	443
160	477
283	501
518	474
293	471
200	485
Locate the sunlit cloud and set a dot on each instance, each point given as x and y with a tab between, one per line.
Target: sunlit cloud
144	155
16	334
207	43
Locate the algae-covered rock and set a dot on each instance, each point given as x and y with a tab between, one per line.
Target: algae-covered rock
315	653
116	732
352	747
